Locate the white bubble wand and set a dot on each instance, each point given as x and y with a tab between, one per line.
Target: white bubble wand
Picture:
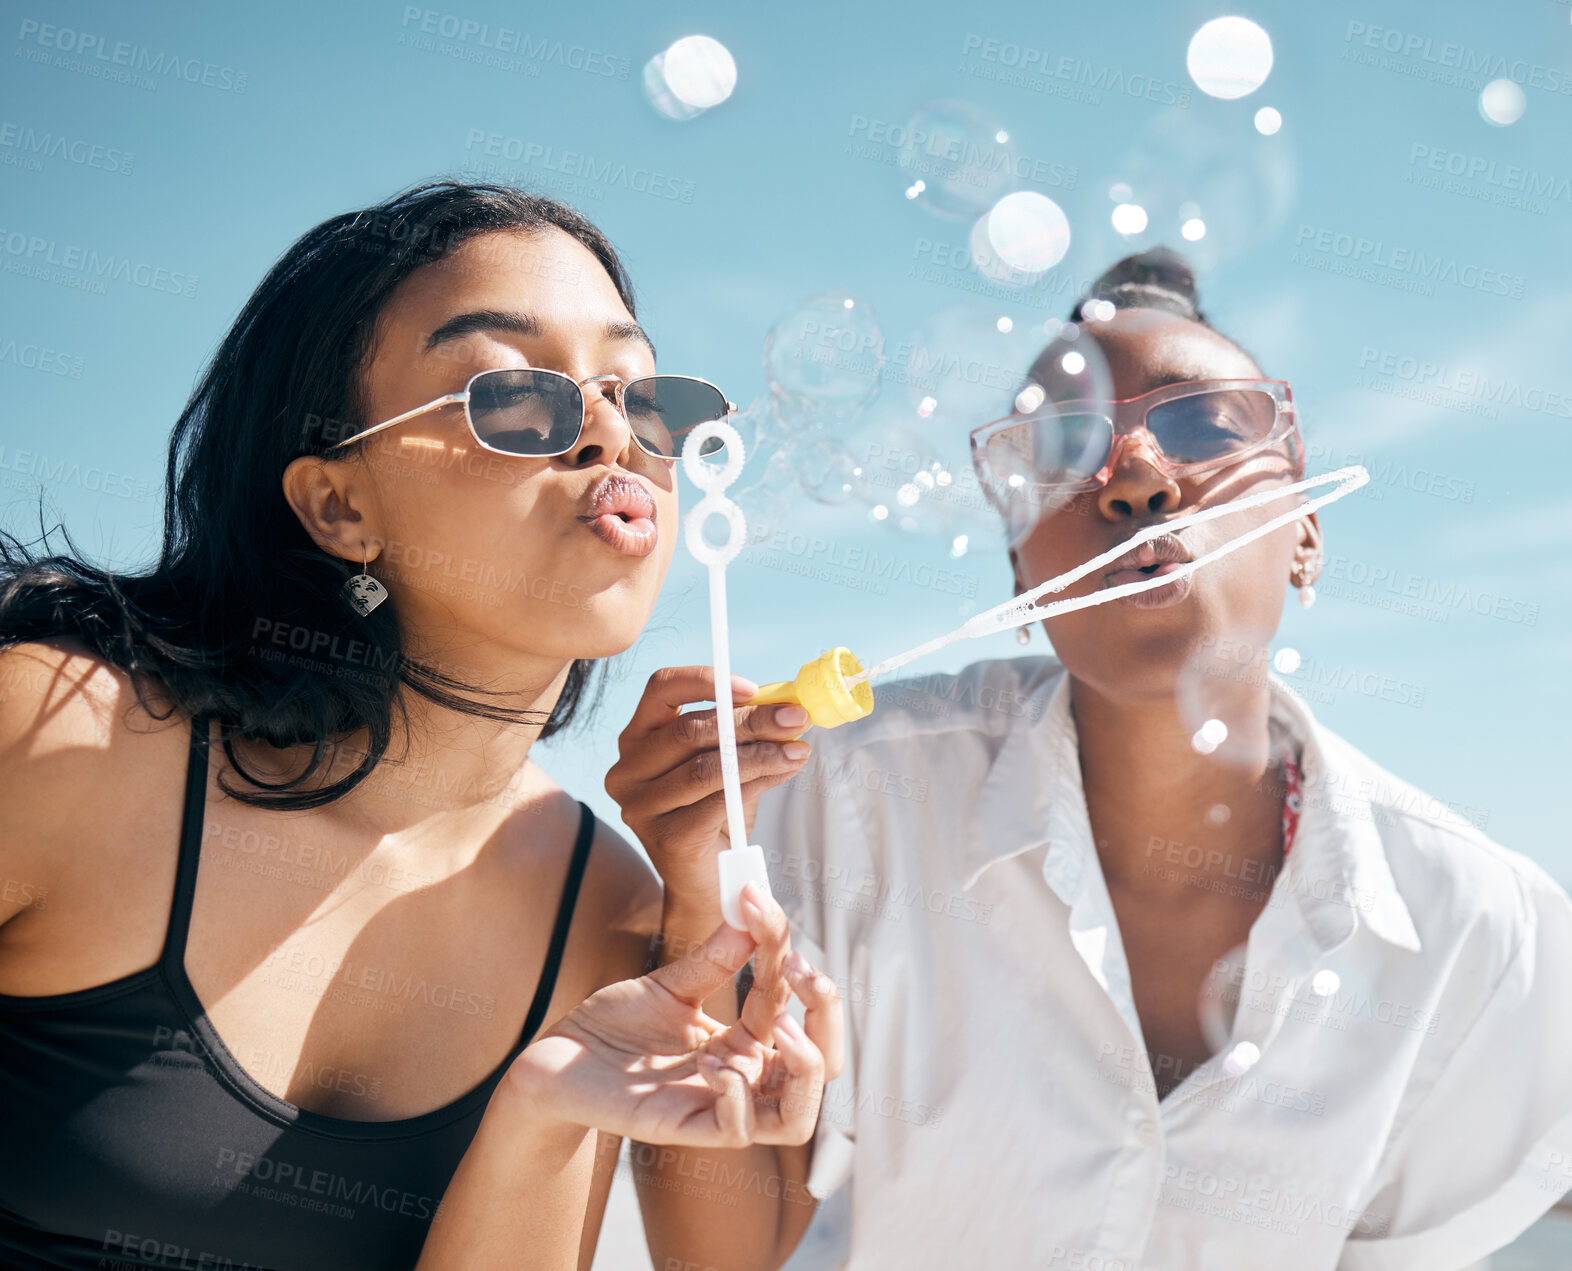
742	862
1024	609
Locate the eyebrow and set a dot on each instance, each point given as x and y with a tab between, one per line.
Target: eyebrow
523	324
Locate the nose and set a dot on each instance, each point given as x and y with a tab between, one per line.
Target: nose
1138	485
605	437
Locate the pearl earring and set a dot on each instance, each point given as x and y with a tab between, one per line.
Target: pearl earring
1022	636
363	592
1306	591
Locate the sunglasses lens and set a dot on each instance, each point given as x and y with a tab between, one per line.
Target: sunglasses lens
526	412
662	409
1050	449
1212	425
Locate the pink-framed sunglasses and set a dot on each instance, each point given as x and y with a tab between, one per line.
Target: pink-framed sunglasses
1192	427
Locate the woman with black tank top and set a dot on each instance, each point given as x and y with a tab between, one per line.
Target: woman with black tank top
304	962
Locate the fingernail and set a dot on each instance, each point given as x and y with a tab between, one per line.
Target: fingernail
788	1025
791	716
796	750
798	965
741	687
823	985
750	898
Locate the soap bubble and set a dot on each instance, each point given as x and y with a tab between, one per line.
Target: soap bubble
700	71
826	470
963	158
766	504
1325	982
1268	120
1211	181
1229	57
1286	660
1028	231
1060	432
687	78
823	360
1209	736
962	369
1218	1001
1502	102
1242	1057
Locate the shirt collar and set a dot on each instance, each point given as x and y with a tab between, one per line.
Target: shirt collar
1033	797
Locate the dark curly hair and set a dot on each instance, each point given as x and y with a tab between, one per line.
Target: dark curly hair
235	557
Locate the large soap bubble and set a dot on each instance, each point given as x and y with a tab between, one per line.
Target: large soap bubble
1058	433
959	157
1229	57
823	360
964	364
686	79
1220	184
825	469
1024	235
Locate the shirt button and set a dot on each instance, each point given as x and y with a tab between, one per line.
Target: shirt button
1146	1131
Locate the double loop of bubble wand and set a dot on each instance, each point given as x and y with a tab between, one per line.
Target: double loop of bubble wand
1024	609
742	862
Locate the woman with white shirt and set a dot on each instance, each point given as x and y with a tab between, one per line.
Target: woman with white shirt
1038	886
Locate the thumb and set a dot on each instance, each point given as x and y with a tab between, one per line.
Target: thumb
701	970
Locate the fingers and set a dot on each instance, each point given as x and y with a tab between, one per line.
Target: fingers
673	687
824	1018
700	972
771	932
733	1109
797	1086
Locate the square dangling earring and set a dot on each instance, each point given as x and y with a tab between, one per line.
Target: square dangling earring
363	592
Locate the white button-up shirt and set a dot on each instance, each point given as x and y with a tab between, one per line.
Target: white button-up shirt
1395	1091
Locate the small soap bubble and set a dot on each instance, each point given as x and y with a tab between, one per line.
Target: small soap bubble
1193	230
1129	218
879	512
1119	192
1207	690
1268	120
1005	325
955	150
1502	102
1218	814
1229	57
1326	982
823	360
1215	731
1028	231
1241	1058
1286	661
658	92
1073	362
700	71
959	545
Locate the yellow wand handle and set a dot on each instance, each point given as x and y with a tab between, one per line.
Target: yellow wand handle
821	689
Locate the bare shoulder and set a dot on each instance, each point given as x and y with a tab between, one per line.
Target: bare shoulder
77	750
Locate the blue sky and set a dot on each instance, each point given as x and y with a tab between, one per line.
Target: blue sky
1459	401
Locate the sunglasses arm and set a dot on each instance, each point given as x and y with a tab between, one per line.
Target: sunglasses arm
449	400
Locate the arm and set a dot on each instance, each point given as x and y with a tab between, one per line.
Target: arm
1489	1149
745	1209
638	1059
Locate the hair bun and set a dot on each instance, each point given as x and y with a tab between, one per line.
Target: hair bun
1158	278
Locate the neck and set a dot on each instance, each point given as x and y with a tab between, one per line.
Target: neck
439	761
1165	816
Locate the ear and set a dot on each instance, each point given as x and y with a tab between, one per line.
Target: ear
1308	553
328	496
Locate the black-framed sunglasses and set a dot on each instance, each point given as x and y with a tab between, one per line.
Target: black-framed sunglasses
540	413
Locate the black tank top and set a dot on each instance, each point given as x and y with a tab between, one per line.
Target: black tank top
131	1137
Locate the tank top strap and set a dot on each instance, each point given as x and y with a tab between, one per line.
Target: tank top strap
174	954
559	932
